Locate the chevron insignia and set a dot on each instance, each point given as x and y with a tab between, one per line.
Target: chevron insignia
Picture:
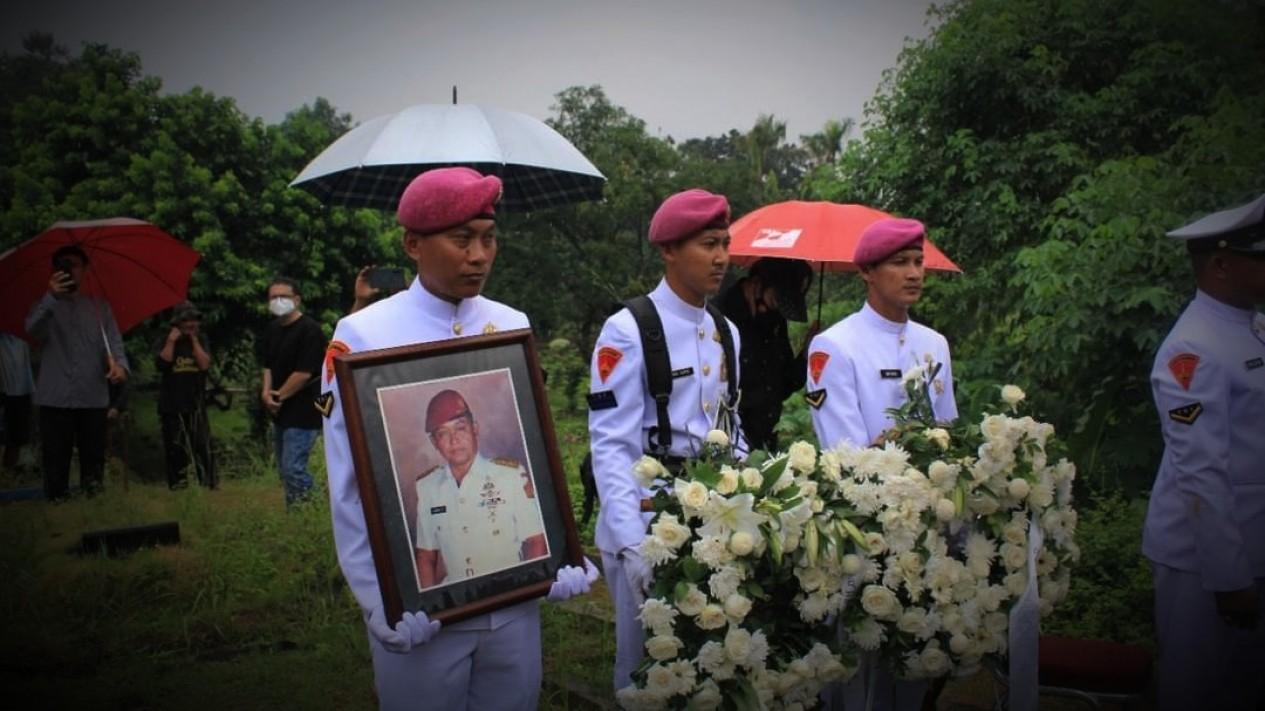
1187	414
816	398
324	403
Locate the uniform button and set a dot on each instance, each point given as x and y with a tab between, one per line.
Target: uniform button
707	407
707	370
456	328
701	334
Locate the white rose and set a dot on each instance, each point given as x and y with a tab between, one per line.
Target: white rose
946	510
728	483
668	529
880	602
802	456
648	469
1018	489
741	543
737	644
810	578
693	602
751	478
1012	395
711	618
663	647
717	437
707	696
692	495
851	564
940	436
737	607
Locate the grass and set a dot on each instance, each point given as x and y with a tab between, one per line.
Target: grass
249	611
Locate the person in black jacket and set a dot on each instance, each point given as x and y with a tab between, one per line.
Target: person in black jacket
760	304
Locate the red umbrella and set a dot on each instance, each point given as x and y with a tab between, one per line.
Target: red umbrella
139	269
823	233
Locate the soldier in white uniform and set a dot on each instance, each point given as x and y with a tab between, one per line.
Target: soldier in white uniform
691	231
474	516
491	661
855	371
855	366
1205	524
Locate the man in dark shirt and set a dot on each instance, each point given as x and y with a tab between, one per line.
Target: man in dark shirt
183	361
293	351
760	304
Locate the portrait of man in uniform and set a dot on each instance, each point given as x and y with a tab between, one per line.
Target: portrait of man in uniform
474	513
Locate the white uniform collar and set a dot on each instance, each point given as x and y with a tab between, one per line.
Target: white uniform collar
667	300
1222	310
459	316
878	321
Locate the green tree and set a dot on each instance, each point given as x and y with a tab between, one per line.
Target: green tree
1021	122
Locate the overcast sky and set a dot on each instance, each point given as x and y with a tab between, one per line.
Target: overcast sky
688	68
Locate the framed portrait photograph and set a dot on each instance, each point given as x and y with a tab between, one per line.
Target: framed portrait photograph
459	472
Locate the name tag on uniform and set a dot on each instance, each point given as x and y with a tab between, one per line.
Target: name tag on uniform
602	400
438	510
889	374
682	373
1255	363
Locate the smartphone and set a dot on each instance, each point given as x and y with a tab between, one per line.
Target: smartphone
65	266
386	278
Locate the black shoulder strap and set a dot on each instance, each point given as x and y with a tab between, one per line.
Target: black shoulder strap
654	348
727	344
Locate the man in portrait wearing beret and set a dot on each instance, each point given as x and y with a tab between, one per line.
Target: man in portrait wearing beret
1205	523
460	536
855	371
691	232
490	661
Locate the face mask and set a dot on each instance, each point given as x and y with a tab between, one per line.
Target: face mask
281	306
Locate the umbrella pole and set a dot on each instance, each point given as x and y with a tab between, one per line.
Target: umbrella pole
821	288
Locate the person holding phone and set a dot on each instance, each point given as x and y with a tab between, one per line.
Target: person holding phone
82	354
374	281
183	359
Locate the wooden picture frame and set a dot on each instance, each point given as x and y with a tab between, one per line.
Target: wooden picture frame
386	395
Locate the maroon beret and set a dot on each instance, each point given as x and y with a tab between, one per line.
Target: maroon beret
886	237
444	198
446	405
688	213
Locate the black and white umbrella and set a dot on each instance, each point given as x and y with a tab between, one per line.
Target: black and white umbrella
370	165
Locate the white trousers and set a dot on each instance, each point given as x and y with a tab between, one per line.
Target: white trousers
464	670
630	636
1203	662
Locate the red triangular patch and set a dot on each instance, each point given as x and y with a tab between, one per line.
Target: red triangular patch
335	348
607	359
1182	366
816	364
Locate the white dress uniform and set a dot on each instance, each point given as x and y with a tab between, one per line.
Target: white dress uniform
480	525
855	372
1205	524
855	369
621	415
491	661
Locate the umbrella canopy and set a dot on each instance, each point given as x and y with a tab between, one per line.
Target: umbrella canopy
139	269
823	233
370	165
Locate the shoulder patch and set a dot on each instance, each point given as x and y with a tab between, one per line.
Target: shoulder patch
335	348
508	462
602	400
607	358
815	398
324	403
817	364
1182	366
1186	414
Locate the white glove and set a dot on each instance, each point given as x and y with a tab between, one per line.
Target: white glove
413	630
637	571
572	581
